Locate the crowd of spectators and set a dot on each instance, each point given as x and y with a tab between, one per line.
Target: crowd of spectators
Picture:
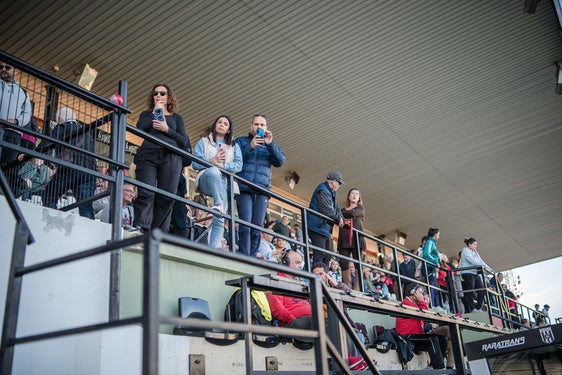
251	157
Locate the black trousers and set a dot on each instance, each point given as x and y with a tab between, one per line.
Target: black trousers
435	345
7	154
472	281
323	242
161	169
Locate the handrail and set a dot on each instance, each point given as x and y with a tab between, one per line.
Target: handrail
67	86
16	211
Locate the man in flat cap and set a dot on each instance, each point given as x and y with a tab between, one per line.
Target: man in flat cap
320	229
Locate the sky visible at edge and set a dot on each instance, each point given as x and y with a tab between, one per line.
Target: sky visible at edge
541	283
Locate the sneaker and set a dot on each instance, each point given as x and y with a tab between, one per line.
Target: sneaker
439	309
357	363
218	208
476	310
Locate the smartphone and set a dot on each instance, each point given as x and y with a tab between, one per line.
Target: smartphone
260	133
158	114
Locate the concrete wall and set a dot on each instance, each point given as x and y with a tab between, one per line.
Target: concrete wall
63	297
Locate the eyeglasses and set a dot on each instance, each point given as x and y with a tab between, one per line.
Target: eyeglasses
6	67
161	93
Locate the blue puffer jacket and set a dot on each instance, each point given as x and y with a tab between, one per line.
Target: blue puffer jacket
258	162
316	223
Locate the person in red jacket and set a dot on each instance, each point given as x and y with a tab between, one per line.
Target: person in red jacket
425	336
291	312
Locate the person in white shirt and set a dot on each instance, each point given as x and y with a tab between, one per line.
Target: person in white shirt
473	300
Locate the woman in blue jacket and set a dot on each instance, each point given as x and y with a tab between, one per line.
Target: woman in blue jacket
259	153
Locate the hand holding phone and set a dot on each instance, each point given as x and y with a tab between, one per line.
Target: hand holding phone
221	152
158	114
260	133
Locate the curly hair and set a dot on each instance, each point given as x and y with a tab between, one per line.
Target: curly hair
171	106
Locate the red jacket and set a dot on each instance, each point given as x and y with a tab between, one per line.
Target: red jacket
285	309
442	276
411	326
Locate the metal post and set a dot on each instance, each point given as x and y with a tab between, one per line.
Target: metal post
119	128
305	248
51	104
13	293
320	351
247	303
150	306
456	344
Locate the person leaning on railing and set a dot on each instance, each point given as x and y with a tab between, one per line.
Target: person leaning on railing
323	200
155	165
473	300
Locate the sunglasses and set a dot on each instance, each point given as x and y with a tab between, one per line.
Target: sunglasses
6	67
161	93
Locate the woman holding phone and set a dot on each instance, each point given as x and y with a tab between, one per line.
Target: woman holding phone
156	165
219	149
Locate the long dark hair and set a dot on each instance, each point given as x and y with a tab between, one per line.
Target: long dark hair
228	138
359	202
432	232
469	241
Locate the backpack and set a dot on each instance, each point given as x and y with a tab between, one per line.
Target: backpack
260	312
390	339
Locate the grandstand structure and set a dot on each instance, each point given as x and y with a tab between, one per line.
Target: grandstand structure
443	115
83	296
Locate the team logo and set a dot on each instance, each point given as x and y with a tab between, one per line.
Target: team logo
547	335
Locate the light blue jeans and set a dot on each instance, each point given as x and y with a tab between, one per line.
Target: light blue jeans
212	182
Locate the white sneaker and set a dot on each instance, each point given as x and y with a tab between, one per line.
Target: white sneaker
218	208
439	309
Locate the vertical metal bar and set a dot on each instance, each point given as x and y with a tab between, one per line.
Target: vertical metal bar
51	104
398	282
230	218
247	303
118	131
456	344
317	305
305	239
13	295
150	308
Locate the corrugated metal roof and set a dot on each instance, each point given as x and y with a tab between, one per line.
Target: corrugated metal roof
441	113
